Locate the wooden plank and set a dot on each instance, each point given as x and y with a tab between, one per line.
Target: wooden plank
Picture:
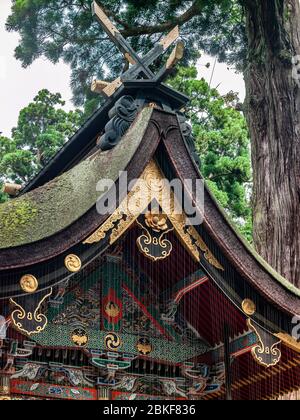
176	56
168	40
98	86
112	87
129	58
105	22
118	39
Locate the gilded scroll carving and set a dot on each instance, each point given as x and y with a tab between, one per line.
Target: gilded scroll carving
28	317
152	243
153	187
266	352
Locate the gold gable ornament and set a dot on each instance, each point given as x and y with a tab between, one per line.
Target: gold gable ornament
29	283
248	307
152	242
266	352
28	317
73	263
153	187
79	337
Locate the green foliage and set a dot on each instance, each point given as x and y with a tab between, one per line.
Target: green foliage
66	29
5	148
223	145
43	127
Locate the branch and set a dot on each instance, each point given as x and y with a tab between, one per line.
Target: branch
130	31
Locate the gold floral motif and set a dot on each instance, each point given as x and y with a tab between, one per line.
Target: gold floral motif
179	223
29	283
249	307
80	337
153	178
153	186
156	220
200	244
112	309
123	225
144	346
73	263
107	226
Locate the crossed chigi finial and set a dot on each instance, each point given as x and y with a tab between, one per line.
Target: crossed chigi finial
139	67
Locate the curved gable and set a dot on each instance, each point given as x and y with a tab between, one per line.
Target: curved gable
55	206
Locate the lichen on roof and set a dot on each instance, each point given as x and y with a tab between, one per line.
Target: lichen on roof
55	206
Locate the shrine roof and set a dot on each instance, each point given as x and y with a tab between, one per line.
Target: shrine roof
51	208
51	220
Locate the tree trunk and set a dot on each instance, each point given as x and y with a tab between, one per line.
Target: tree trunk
272	110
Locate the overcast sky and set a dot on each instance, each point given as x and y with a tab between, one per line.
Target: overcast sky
18	86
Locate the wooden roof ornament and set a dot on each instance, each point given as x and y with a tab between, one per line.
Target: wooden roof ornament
140	66
11	189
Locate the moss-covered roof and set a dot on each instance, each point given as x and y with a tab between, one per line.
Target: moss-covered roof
55	206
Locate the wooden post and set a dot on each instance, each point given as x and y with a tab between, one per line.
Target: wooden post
98	86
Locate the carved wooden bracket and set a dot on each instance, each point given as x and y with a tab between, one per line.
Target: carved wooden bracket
266	352
28	317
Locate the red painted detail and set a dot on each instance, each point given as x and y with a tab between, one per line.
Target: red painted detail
179	295
46	390
147	313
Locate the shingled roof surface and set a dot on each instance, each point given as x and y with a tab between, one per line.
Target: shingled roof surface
51	208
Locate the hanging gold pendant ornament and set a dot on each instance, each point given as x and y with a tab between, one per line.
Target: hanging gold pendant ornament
249	307
73	263
266	352
29	283
28	317
153	244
